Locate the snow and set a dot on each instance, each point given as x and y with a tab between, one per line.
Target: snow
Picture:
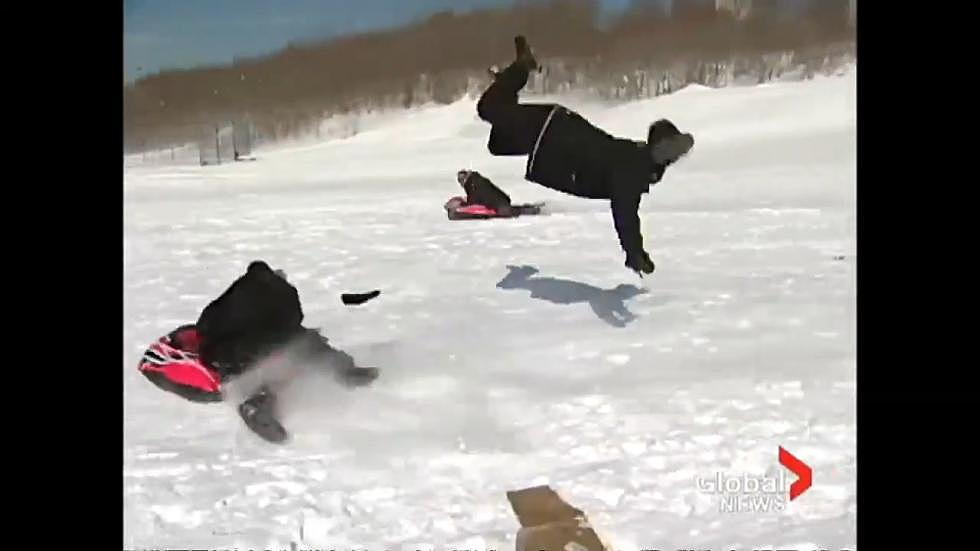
618	391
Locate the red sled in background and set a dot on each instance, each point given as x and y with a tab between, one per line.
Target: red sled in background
457	209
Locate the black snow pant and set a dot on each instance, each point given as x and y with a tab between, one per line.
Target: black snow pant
515	126
311	348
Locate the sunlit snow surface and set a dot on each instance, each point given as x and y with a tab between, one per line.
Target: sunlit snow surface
619	392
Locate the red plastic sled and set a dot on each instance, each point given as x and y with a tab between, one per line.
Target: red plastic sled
457	209
172	364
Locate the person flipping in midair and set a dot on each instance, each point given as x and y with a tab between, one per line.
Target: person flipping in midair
567	153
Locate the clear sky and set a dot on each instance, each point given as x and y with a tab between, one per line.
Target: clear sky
162	34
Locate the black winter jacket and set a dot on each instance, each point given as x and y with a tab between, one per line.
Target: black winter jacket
573	156
480	190
257	313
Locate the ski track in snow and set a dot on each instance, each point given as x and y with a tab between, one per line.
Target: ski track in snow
619	397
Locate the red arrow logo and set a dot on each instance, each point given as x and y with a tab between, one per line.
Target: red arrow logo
800	469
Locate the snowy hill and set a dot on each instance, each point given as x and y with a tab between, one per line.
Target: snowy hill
619	392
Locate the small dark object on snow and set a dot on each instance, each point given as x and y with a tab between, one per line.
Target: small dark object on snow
839	257
358	298
354	376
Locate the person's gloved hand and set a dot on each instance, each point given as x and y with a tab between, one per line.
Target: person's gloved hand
640	263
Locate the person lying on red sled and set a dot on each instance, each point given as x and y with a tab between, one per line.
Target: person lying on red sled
256	322
483	200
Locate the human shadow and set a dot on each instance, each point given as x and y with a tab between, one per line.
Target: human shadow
608	304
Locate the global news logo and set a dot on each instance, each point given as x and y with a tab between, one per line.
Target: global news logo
747	493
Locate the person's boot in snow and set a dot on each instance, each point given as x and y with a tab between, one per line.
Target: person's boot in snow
259	414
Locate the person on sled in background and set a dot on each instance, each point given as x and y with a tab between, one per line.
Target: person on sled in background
567	153
481	191
484	200
256	322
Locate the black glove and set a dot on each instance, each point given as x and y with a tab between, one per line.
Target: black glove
640	263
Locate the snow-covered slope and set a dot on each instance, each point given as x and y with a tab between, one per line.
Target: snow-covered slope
619	392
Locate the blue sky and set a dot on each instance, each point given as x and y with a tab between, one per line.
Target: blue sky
161	34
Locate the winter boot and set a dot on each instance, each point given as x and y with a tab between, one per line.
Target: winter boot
524	54
259	414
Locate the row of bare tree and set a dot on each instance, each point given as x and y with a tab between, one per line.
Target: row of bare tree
446	56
